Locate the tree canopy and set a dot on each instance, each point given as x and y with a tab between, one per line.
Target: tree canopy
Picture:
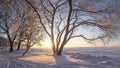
63	20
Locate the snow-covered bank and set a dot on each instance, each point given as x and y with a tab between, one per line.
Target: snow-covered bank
72	58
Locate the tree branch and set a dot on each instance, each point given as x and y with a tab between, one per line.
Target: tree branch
87	39
39	17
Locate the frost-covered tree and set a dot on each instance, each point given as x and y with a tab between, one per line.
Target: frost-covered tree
62	19
9	23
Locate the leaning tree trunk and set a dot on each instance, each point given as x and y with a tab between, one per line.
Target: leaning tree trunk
26	51
11	46
19	44
28	47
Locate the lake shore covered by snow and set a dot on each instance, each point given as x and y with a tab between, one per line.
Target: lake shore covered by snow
102	57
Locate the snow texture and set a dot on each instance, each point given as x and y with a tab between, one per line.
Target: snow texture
71	58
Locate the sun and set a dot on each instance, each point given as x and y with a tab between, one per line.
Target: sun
47	43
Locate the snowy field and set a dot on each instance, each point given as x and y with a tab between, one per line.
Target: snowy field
100	57
71	58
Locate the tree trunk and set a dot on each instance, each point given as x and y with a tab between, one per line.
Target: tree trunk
11	47
26	51
19	44
57	47
59	52
53	46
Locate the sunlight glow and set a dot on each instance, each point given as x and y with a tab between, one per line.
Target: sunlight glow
79	42
47	43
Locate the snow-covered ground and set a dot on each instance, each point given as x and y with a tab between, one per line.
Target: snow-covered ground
101	57
71	58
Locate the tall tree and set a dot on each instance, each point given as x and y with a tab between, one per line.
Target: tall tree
9	23
61	18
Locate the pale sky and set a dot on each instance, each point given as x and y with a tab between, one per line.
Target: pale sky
79	42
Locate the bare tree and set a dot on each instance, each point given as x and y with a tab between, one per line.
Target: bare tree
9	23
23	12
33	35
61	18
